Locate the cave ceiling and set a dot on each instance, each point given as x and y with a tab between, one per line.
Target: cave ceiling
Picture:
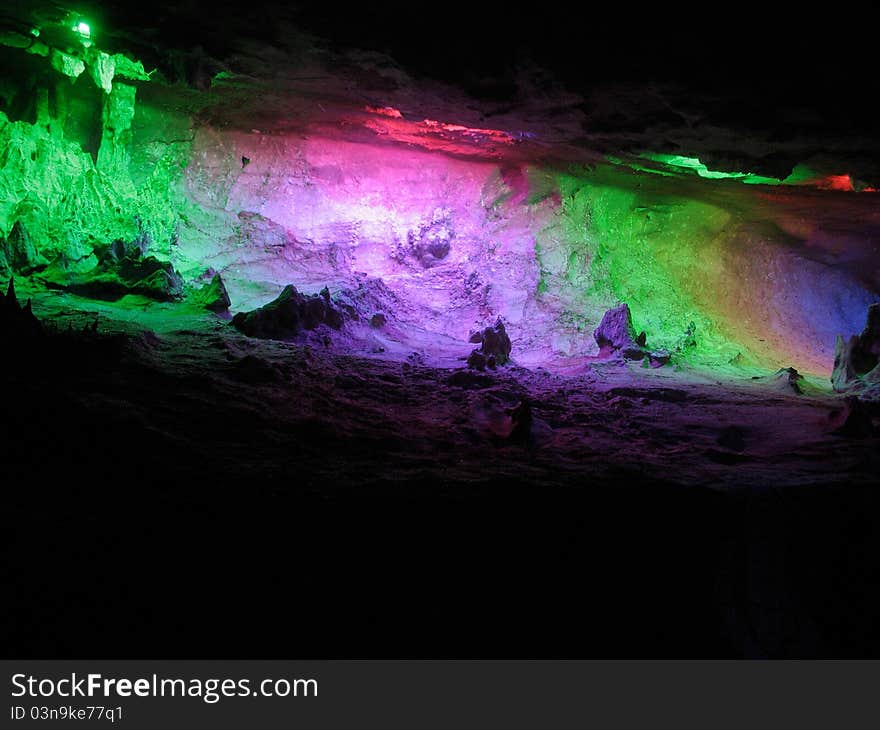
741	88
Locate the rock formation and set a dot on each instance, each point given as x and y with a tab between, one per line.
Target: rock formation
289	314
122	269
18	254
856	360
788	379
616	336
213	295
494	347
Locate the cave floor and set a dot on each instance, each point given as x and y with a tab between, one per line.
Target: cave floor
188	377
175	487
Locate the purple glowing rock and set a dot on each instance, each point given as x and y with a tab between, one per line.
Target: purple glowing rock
477	360
616	329
494	347
659	358
615	333
431	242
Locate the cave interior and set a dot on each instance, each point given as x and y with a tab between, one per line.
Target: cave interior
421	330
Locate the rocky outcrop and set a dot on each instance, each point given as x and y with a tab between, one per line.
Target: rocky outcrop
431	242
616	336
788	380
122	269
659	358
18	254
856	360
494	349
289	314
213	295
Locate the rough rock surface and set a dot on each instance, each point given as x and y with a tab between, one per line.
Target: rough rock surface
431	241
659	358
789	378
856	360
18	253
504	415
289	314
616	335
494	347
213	295
450	200
122	269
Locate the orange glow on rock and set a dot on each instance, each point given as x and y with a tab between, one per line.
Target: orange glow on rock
459	139
842	183
385	111
495	135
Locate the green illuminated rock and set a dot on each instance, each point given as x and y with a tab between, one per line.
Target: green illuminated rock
102	68
17	252
121	269
620	238
126	68
113	155
213	295
66	64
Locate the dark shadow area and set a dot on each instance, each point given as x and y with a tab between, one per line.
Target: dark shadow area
121	541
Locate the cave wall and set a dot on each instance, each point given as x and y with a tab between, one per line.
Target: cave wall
439	231
549	248
718	271
69	200
759	276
